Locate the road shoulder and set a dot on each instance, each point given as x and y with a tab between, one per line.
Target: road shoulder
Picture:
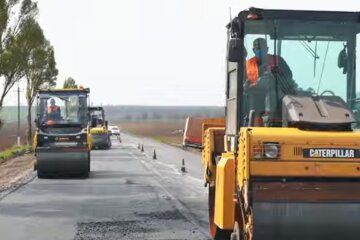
15	172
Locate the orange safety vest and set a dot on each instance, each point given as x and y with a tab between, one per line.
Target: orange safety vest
52	109
252	72
252	68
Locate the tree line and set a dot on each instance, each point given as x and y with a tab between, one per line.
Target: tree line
25	54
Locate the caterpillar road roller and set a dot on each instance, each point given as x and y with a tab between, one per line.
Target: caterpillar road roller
99	128
286	162
62	142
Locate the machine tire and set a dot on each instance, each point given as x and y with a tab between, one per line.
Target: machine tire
40	174
215	232
89	162
222	234
236	234
85	174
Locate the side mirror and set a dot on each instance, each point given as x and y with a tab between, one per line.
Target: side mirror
234	50
343	60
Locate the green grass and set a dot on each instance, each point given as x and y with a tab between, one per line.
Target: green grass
13	151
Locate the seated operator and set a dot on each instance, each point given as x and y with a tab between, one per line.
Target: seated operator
54	112
262	71
263	63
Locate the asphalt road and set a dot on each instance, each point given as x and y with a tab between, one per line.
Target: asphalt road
127	196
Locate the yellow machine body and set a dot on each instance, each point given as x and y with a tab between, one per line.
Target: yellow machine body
284	164
228	170
224	201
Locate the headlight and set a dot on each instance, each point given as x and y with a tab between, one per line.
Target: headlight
271	150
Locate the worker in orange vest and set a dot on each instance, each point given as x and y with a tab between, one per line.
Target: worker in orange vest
263	63
259	70
54	112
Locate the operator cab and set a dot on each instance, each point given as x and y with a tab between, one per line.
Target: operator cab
61	109
97	117
322	89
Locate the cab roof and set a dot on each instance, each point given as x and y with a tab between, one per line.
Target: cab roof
306	15
66	90
95	108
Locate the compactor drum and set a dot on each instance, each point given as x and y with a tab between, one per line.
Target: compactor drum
62	141
286	163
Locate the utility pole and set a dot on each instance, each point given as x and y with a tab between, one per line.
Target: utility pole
18	127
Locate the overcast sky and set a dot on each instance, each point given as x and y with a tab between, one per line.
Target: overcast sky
149	52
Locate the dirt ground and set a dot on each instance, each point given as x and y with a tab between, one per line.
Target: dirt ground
15	169
167	132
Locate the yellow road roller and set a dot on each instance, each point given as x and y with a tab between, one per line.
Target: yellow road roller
62	142
99	128
285	165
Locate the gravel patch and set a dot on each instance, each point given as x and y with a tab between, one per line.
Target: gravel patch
158	225
110	230
166	215
16	172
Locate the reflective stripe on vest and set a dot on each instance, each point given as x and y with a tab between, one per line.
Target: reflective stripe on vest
252	69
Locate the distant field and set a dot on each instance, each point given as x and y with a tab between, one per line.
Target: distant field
134	113
163	123
8	135
166	132
160	113
10	114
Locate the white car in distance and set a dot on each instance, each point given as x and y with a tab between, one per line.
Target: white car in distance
115	131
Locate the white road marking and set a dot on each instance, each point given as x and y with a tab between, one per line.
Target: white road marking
171	166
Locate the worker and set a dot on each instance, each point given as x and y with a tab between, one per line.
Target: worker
263	63
54	112
260	69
